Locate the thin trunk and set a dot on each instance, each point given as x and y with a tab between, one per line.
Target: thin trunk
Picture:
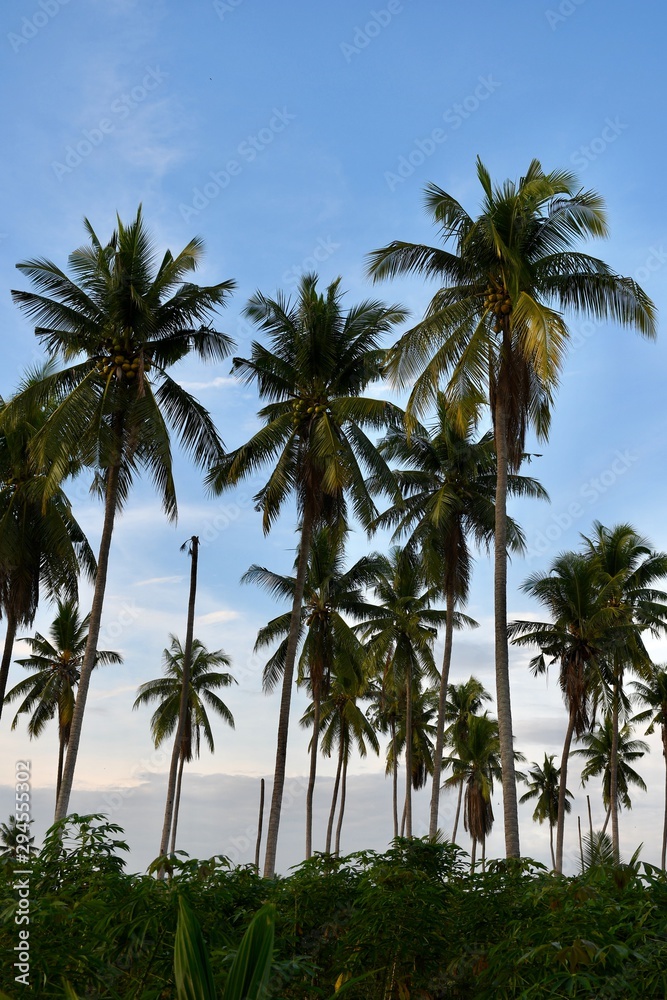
408	753
90	655
473	856
606	822
664	824
343	790
560	832
286	695
613	767
313	772
581	843
7	654
395	778
183	707
503	698
440	725
405	807
484	853
551	845
260	820
590	817
177	805
334	800
458	812
61	758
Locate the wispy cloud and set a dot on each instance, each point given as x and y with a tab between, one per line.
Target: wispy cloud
157	579
218	616
221	382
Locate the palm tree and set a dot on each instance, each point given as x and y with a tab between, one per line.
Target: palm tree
463	700
449	489
319	362
122	323
343	725
629	568
475	764
581	638
543	786
597	751
653	694
41	543
385	713
55	664
205	678
402	630
496	332
328	643
424	707
10	833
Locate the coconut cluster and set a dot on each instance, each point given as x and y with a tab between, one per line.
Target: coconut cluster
123	360
304	409
499	303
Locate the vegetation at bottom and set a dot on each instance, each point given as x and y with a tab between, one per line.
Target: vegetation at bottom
410	923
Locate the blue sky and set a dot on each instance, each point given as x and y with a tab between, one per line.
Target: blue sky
294	137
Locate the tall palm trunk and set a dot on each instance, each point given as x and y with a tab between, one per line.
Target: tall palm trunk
664	823
606	822
177	804
394	776
440	725
334	800
613	767
473	856
90	655
341	813
313	770
562	790
61	758
503	698
551	845
458	812
179	739
286	695
260	822
408	752
7	654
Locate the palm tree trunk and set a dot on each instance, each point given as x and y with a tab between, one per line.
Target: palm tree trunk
613	768
405	807
606	822
177	804
458	812
341	813
313	771
90	655
664	824
440	725
61	758
7	654
334	800
408	752
484	853
394	769
551	845
286	695
179	739
503	698
562	787
260	820
473	856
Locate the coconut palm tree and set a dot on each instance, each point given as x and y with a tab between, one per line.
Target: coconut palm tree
41	543
401	630
327	641
448	480
543	786
597	752
205	678
123	322
319	362
55	665
385	712
653	693
422	724
629	568
495	332
10	833
463	700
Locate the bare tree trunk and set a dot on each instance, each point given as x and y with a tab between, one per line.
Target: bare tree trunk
440	725
581	843
286	695
260	820
590	817
394	778
664	825
484	853
179	739
61	758
408	752
458	812
7	655
473	856
405	809
334	800
503	697
560	832
341	813
613	767
313	771
90	655
177	805
551	845
606	822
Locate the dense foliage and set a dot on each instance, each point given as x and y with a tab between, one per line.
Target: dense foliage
411	923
